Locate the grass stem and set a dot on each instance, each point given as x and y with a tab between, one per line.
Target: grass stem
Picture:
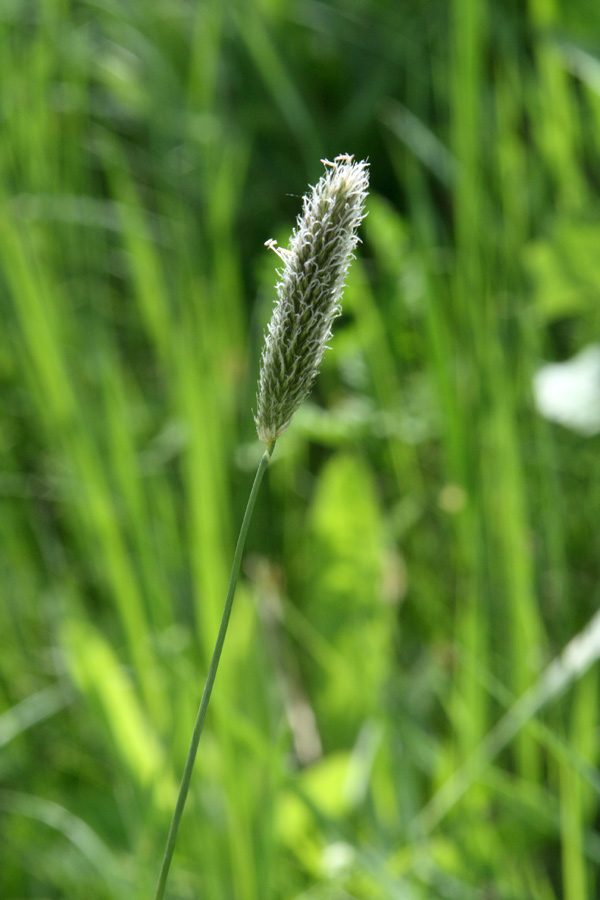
210	678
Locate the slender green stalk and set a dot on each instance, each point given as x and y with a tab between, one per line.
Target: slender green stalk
210	678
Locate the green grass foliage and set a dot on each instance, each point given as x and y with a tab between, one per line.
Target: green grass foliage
393	717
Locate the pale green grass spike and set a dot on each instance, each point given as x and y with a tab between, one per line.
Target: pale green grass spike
309	292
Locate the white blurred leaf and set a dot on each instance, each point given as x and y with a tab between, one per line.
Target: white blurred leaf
569	392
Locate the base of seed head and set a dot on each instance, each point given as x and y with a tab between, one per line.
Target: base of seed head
309	291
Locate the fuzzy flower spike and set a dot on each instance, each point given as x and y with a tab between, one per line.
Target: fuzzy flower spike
309	291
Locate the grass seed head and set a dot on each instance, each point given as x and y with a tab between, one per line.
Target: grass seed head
309	291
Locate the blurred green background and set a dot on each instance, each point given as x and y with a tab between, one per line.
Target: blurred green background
425	544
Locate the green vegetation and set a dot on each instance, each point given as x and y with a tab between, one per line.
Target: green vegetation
390	719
